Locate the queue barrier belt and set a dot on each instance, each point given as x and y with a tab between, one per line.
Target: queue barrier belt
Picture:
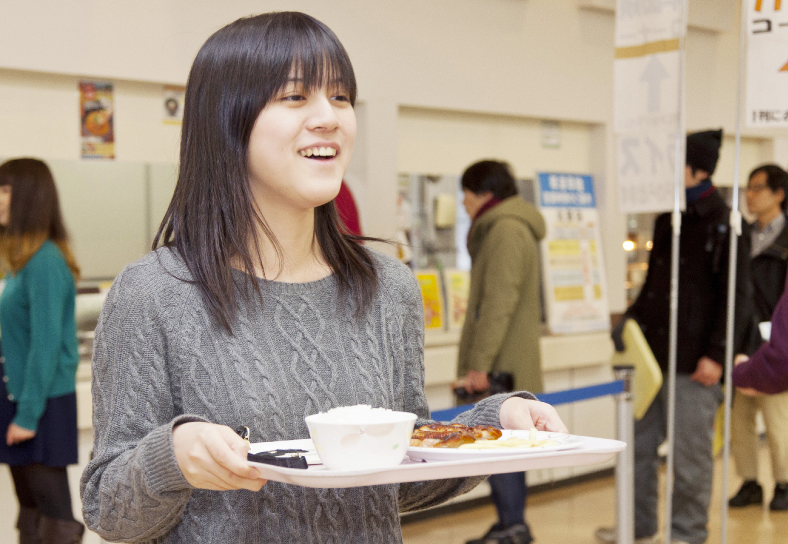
555	398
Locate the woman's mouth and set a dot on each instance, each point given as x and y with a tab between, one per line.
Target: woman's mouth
318	153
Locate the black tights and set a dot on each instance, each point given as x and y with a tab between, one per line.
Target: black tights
43	488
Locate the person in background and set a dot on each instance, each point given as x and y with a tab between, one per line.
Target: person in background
766	192
255	309
503	322
38	403
348	211
702	303
766	371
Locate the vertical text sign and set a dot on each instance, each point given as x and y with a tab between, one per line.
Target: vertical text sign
767	63
646	110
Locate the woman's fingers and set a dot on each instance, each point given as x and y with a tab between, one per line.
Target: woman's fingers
520	413
214	457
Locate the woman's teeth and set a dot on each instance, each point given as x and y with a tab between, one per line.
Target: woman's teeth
318	152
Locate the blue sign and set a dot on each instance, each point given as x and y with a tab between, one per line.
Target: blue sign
566	190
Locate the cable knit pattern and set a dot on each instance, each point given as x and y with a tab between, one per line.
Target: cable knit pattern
160	360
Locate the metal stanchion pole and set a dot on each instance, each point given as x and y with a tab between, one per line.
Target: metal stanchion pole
625	466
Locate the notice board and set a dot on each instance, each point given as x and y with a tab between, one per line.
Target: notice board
575	291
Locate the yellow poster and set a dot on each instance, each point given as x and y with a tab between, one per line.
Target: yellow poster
430	284
458	286
96	106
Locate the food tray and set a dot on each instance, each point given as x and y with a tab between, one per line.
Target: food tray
586	451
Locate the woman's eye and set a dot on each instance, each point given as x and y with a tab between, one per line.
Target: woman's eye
341	98
293	98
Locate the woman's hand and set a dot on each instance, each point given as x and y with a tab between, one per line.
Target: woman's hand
214	457
16	434
525	414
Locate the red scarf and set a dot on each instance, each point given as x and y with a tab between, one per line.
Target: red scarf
490	204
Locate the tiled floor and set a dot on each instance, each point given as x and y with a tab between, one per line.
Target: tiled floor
570	515
563	516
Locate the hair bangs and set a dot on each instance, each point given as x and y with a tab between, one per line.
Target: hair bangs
319	61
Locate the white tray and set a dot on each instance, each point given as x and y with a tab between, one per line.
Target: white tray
591	451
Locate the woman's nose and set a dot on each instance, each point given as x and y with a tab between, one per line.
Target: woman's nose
323	116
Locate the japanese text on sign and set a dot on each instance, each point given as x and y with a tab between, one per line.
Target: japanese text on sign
564	190
767	64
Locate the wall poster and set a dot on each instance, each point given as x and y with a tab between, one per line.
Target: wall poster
432	297
96	106
173	98
573	269
458	287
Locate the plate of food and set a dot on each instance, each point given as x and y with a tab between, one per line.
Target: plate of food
452	442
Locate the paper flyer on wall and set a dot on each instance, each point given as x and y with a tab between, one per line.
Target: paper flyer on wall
432	297
173	98
458	286
574	274
96	106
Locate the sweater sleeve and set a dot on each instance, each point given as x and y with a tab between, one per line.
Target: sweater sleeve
767	369
418	495
46	294
506	248
132	489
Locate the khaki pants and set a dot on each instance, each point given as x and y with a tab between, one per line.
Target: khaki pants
744	436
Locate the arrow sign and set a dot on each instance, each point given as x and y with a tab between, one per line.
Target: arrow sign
653	76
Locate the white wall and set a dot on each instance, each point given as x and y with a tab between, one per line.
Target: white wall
516	59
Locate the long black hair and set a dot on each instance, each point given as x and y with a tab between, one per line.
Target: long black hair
212	219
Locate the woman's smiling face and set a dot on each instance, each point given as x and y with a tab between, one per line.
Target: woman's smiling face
300	147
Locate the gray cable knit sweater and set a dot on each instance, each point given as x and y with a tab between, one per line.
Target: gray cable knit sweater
160	360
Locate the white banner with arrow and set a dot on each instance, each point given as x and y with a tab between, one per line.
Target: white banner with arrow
646	111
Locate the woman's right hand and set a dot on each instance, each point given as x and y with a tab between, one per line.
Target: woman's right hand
213	456
16	434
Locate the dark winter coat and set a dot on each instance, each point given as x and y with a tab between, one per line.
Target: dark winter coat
703	286
767	271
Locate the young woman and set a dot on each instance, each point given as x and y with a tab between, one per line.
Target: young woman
38	403
257	310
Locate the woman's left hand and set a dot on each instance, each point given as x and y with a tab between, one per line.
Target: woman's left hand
526	414
17	434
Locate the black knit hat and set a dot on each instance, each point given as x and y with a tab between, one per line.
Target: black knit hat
703	150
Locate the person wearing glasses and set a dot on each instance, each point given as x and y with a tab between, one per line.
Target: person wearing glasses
766	200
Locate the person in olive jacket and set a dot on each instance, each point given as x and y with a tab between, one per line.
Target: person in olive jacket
503	321
702	312
766	200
